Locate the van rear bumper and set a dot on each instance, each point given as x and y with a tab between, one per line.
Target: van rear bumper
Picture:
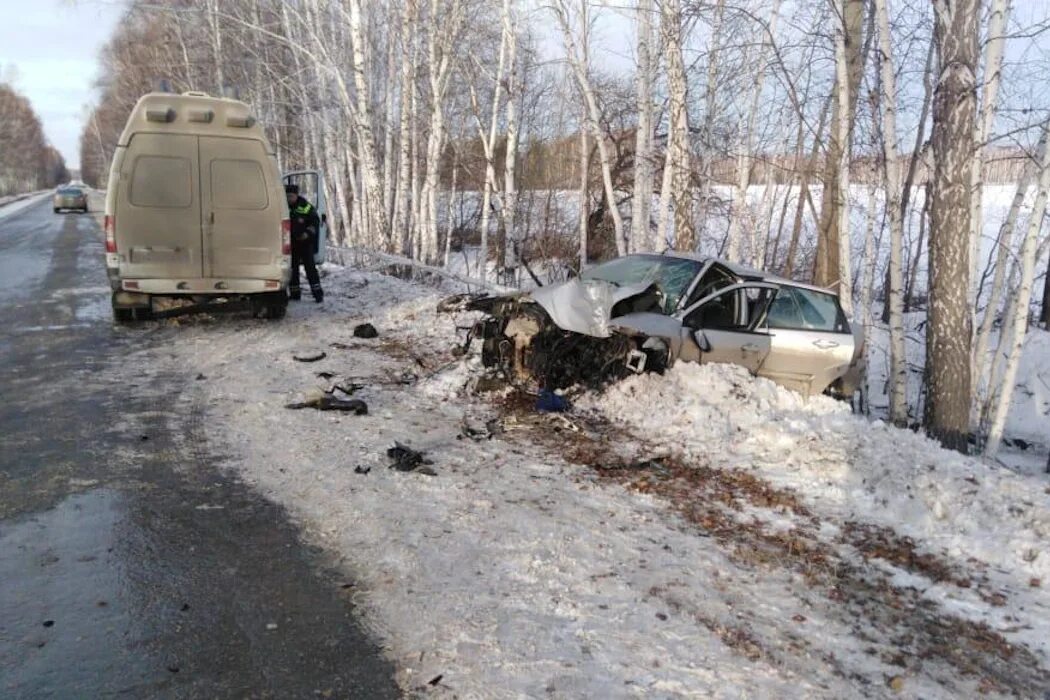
216	286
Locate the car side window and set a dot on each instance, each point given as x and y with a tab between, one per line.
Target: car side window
734	309
806	309
784	312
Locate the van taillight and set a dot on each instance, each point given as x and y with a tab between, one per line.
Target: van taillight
286	237
110	224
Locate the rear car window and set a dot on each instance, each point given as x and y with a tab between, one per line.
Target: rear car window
70	192
161	181
806	309
238	184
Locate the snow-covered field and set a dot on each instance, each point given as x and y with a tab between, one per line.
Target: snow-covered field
699	534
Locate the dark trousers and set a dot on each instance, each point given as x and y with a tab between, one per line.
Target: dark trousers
303	254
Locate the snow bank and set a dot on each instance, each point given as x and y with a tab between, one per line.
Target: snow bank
841	464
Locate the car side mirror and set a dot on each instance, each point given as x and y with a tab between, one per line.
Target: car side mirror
324	218
702	341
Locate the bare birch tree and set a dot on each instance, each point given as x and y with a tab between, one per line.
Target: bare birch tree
948	331
892	174
583	81
678	152
643	168
1018	307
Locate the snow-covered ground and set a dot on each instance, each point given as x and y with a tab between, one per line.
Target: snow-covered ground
698	534
15	203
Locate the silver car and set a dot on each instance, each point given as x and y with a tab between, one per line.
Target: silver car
645	312
69	197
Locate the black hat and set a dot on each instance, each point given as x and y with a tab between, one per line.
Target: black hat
291	189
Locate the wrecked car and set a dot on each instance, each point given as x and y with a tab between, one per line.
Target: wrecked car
645	312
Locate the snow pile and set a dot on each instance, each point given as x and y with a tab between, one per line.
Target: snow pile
840	464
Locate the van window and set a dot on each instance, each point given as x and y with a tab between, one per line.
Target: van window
238	184
161	181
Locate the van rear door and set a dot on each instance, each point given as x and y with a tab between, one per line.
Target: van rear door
158	213
238	219
311	187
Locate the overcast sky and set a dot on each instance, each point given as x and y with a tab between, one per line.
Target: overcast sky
53	46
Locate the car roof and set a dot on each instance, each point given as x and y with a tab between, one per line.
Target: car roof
748	273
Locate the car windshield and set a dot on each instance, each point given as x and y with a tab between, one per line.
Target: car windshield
672	275
70	191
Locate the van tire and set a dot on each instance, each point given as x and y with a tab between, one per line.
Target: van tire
271	305
123	316
277	310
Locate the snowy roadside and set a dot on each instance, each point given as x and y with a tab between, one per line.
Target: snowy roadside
517	572
15	203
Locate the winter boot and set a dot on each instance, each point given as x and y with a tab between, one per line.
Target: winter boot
318	293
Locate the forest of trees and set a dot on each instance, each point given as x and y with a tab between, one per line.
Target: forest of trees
27	161
845	142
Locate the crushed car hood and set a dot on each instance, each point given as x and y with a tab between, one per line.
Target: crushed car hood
585	306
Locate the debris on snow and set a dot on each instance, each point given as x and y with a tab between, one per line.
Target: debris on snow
406	460
310	356
365	330
326	402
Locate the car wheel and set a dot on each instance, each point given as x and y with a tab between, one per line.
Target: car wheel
56	210
123	316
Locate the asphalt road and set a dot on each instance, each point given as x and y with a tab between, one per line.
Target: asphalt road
130	564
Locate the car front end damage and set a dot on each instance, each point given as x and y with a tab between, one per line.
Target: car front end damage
562	337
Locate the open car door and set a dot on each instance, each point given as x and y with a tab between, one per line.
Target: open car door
724	326
311	186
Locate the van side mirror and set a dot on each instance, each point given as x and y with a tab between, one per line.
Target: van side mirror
702	341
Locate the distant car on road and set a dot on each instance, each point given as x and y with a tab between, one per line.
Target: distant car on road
70	198
646	312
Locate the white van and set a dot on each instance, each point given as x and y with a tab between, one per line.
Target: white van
195	210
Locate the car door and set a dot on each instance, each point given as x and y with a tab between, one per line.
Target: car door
312	187
157	209
811	342
723	326
237	211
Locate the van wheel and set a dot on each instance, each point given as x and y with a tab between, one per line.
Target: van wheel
123	316
277	310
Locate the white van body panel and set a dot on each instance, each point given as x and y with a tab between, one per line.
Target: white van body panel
196	201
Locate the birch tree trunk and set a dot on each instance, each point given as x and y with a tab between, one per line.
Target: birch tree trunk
993	63
510	187
948	331
664	221
826	272
585	166
678	139
407	118
580	70
741	212
643	168
845	126
898	376
488	144
443	33
372	185
1018	312
710	113
803	193
1004	248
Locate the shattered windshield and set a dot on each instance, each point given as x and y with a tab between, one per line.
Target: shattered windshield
672	275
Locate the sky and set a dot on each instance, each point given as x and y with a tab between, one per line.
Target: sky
49	51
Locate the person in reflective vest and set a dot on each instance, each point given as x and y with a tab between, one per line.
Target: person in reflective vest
305	225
